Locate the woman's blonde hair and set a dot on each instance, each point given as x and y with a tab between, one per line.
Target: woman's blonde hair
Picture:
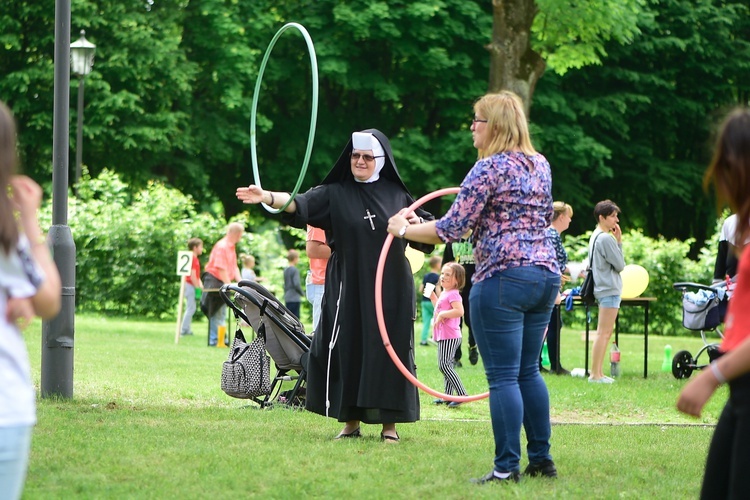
559	208
506	119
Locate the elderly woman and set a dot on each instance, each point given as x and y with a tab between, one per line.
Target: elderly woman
350	375
563	214
506	201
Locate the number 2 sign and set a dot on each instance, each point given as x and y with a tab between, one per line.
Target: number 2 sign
184	262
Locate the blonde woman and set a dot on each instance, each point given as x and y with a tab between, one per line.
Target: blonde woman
563	214
506	200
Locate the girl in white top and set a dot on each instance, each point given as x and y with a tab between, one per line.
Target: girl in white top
449	310
29	286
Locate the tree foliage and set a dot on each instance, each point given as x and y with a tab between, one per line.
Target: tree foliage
570	34
624	113
127	243
638	128
529	35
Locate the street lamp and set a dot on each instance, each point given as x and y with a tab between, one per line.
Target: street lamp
81	62
58	333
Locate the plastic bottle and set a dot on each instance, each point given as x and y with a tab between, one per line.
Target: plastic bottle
666	365
545	356
614	360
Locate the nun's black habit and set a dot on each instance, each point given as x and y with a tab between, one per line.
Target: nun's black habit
361	381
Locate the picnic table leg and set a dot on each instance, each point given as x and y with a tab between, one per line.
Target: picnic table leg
586	363
645	341
617	330
559	335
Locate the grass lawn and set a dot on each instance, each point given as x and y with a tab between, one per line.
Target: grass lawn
149	420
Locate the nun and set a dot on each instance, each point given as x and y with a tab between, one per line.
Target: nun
350	375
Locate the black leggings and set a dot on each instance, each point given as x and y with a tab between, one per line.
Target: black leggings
553	338
728	458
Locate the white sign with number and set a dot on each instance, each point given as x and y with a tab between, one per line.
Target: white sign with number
184	262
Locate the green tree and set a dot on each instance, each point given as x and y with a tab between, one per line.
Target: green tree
171	91
26	78
225	42
137	96
529	35
407	68
127	241
637	128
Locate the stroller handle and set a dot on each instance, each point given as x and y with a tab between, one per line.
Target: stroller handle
685	285
224	294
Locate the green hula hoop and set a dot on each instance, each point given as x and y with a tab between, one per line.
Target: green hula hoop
313	113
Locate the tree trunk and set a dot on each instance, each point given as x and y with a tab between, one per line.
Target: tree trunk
514	65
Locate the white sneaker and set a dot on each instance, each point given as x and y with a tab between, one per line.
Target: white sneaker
603	380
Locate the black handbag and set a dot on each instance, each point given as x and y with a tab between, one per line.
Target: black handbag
247	372
587	287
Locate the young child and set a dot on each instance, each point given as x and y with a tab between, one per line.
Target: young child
428	309
192	282
449	309
248	265
293	292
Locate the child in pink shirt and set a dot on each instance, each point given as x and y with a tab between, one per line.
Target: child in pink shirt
447	327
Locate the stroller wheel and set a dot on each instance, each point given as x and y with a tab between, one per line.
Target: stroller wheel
682	365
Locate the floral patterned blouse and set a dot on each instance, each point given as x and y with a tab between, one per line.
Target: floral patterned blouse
506	200
562	255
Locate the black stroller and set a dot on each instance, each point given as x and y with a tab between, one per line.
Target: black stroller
703	310
286	341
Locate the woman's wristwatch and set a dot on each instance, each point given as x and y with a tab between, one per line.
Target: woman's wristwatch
402	231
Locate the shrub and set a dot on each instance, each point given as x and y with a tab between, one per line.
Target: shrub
126	249
126	244
667	262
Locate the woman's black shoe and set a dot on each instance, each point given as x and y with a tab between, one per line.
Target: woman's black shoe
492	478
473	355
546	469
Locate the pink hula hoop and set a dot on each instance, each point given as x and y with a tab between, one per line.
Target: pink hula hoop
381	318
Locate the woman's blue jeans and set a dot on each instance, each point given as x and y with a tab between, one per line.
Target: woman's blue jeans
15	444
509	313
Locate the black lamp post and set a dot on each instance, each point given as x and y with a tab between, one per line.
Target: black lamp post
81	62
58	333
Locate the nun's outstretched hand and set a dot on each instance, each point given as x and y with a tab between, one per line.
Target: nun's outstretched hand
251	195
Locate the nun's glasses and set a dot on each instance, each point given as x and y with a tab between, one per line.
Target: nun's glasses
357	156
